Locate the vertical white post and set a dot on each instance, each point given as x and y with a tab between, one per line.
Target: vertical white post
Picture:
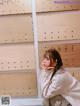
36	43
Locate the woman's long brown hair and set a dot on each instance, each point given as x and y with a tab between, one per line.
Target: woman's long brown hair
55	55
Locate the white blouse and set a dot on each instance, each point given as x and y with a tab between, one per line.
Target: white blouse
63	83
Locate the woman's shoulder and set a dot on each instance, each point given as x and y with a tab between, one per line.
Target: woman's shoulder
61	72
61	75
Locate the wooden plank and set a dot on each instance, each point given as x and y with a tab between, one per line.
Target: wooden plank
58	26
16	28
17	57
18	84
15	6
70	53
75	72
56	5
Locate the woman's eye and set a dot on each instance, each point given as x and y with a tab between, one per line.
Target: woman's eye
47	59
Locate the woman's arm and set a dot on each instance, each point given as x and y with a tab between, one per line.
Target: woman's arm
44	78
53	88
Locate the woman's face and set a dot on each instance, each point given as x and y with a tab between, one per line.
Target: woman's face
48	62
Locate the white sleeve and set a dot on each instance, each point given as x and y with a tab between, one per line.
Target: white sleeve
53	89
44	79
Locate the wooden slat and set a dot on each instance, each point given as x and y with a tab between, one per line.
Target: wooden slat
70	53
75	72
58	26
56	5
24	6
18	84
15	6
16	28
17	57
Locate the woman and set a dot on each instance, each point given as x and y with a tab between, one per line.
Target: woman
57	83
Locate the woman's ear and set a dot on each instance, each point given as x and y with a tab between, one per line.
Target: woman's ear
56	61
